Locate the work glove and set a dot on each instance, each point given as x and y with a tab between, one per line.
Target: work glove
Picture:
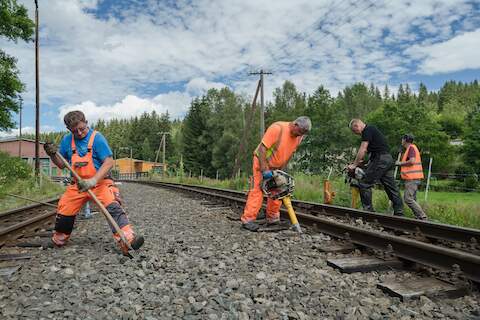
267	174
50	148
85	184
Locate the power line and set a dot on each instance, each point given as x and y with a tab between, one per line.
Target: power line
348	20
317	22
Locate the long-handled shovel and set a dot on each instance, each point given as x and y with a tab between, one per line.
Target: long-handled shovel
99	204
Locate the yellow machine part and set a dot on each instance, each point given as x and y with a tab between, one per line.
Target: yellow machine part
291	213
355	197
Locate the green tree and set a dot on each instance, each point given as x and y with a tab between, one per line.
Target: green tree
329	138
226	125
14	25
395	119
197	142
287	104
358	100
147	152
471	147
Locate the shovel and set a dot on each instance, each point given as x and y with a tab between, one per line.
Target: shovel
99	204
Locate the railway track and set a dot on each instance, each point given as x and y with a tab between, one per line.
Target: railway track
332	220
26	221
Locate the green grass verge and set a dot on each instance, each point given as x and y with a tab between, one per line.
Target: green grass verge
462	209
28	188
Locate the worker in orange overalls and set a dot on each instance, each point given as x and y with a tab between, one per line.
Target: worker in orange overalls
277	147
90	156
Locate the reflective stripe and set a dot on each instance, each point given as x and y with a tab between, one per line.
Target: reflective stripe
412	171
270	151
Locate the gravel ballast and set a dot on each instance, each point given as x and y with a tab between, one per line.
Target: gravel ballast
197	264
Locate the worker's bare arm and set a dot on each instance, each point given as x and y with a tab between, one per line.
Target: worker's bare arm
361	153
262	158
104	169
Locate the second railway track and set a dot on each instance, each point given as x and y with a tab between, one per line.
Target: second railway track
25	221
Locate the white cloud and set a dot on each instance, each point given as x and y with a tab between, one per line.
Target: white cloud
26	130
458	53
198	86
132	106
95	63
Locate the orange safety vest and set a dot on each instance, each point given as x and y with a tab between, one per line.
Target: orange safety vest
84	166
414	171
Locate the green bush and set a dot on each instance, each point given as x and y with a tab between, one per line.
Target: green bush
471	182
12	169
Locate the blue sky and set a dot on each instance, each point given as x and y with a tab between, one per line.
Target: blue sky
121	58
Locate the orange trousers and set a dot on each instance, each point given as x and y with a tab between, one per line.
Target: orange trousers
255	199
72	200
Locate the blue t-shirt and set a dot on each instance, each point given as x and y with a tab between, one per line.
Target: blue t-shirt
100	148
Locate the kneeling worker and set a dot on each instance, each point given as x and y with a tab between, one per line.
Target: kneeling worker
90	156
411	171
278	144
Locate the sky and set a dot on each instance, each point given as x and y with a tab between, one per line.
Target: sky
120	58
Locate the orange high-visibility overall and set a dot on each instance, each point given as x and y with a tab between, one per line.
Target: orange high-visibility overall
280	147
73	200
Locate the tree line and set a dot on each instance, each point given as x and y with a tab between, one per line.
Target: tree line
212	129
221	122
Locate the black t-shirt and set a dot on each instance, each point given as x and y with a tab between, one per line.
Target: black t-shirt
376	140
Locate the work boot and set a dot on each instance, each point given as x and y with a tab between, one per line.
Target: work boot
48	244
273	222
137	242
250	226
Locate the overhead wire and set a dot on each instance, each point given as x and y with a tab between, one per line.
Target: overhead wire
348	20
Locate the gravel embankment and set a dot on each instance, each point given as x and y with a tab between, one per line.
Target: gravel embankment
196	264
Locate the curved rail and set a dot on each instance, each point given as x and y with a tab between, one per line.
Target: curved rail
38	220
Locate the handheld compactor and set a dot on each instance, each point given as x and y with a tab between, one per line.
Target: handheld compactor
280	187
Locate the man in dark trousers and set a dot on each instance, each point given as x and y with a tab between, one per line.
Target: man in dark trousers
379	168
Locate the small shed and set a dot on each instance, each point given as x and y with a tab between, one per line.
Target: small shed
129	165
25	149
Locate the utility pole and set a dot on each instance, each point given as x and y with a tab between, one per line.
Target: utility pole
162	145
20	131
262	101
37	100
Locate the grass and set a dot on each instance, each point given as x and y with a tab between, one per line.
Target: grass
28	188
456	208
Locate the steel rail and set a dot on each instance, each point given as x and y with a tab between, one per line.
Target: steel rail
408	249
12	232
428	229
29	207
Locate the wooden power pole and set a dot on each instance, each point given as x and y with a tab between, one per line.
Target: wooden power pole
37	100
262	101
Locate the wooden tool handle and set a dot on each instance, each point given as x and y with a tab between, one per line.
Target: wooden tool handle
99	204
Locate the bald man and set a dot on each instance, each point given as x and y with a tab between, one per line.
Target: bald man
380	166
